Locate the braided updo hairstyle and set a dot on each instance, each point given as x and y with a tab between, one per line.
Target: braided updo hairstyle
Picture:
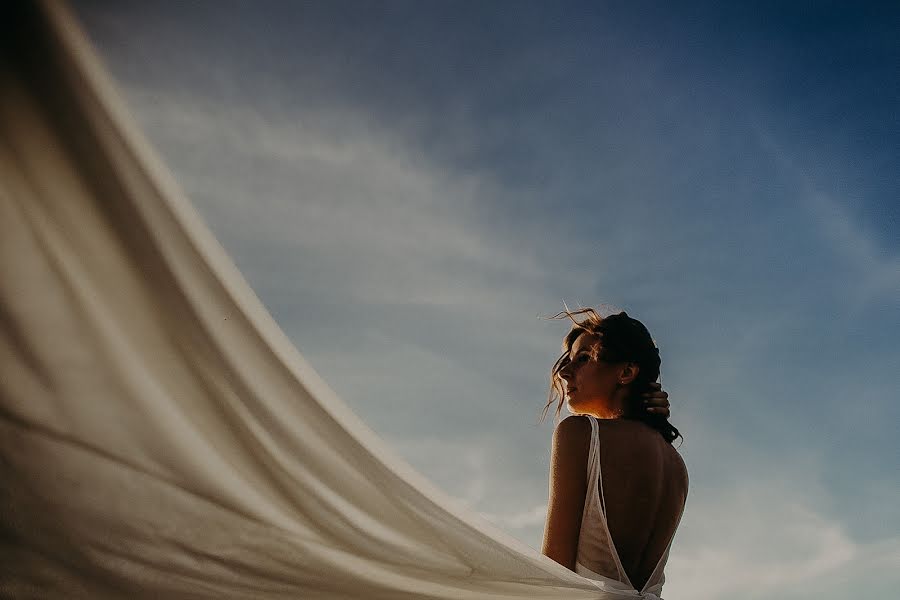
622	339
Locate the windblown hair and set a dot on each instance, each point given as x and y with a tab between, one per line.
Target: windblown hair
622	339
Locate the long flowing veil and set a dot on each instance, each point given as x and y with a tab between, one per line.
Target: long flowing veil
159	436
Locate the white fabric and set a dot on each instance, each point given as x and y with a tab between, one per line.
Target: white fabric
159	436
596	548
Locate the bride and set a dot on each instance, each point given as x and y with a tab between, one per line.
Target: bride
617	485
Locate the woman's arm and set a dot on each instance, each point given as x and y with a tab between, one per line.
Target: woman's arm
568	486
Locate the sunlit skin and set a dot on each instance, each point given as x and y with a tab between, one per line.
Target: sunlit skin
644	478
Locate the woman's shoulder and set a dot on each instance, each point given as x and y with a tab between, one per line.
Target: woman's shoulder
572	435
574	425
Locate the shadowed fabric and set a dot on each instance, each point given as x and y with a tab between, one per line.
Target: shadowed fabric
159	436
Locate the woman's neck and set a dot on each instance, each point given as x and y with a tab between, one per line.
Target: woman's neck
614	407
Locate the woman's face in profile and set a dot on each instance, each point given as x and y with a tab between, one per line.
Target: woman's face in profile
589	382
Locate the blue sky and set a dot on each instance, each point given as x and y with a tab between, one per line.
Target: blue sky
409	185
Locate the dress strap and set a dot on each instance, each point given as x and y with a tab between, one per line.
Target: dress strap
595	494
593	462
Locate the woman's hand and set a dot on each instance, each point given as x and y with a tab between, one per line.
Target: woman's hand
656	401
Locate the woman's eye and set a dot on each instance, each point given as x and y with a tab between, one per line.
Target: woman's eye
582	358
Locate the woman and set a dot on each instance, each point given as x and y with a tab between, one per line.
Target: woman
617	486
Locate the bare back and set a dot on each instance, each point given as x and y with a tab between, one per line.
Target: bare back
645	483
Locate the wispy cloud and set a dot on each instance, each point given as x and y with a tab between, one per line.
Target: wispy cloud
762	538
875	267
878	267
350	198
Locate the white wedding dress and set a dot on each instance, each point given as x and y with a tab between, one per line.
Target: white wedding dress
596	549
159	436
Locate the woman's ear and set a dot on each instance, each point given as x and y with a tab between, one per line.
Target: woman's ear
628	373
